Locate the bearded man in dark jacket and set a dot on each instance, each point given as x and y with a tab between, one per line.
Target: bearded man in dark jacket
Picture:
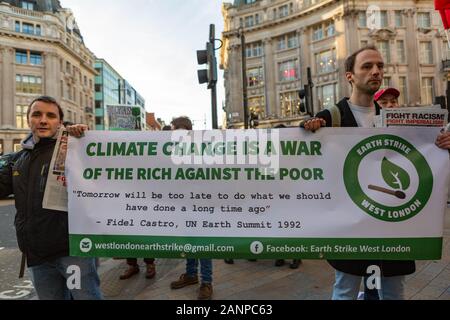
364	71
42	234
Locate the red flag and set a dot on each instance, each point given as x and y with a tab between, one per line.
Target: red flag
442	4
444	9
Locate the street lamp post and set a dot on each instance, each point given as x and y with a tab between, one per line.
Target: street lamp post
213	85
244	77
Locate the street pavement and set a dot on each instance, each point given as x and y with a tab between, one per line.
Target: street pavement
261	280
243	280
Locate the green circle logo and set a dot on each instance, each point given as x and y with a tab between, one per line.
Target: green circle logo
396	180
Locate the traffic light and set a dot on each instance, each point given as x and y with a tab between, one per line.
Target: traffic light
209	75
208	57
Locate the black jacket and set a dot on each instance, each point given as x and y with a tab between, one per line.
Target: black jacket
388	268
42	234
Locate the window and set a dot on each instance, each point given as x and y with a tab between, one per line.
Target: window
255	77
383	19
21	57
27	5
27	28
69	116
423	20
399	19
17	146
401	55
287	41
68	67
329	29
98	121
364	43
249	21
427	92
254	50
327	95
317	33
249	1
426	52
321	31
362	19
35	58
288	70
1	147
386	82
403	89
283	11
326	61
66	91
281	43
292	40
21	117
257	105
289	104
28	84
383	46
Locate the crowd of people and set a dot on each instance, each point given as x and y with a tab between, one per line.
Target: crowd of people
42	234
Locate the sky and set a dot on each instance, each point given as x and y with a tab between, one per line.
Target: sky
153	44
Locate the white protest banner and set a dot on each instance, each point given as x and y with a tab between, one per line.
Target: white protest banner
432	116
339	193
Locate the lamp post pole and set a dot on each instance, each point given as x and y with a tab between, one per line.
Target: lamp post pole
244	78
213	86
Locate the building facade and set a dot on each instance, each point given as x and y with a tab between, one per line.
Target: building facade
106	91
112	89
285	37
41	53
152	124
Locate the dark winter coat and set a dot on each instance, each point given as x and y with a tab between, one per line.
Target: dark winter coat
42	234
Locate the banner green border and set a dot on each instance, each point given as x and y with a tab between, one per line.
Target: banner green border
419	248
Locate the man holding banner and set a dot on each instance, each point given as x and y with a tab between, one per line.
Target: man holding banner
364	72
42	234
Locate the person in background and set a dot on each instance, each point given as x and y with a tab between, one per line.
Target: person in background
133	268
281	262
190	277
387	98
